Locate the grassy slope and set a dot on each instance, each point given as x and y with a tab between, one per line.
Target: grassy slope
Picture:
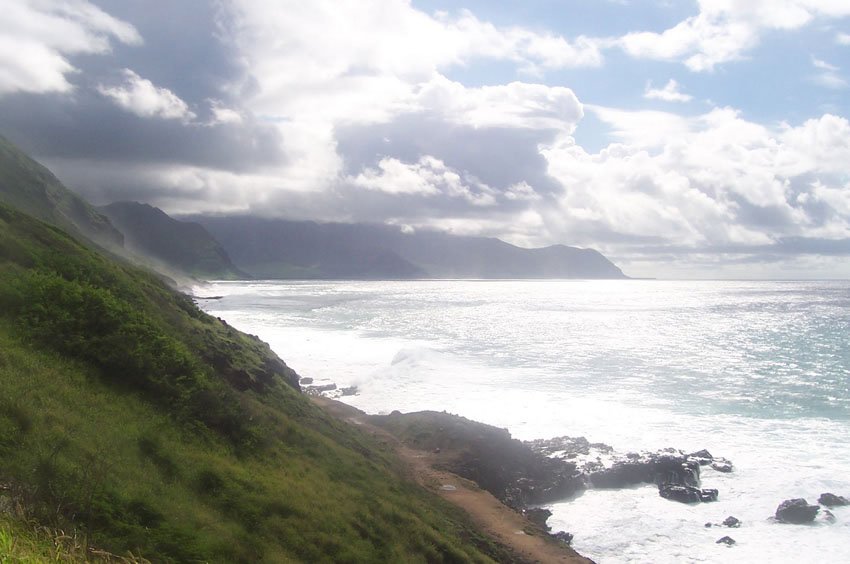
30	187
130	416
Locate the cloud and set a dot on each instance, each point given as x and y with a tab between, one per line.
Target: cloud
517	105
829	76
714	183
37	37
670	93
143	98
358	111
842	38
428	176
724	31
223	114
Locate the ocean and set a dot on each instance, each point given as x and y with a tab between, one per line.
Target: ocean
756	372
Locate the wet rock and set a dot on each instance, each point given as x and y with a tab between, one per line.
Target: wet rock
708	495
306	381
828	516
682	494
708	525
622	474
564	537
722	465
832	500
349	391
796	511
703	457
728	541
687	494
539	516
733	522
568	445
318	390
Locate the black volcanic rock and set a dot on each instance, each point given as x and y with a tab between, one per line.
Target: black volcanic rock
832	500
728	541
276	248
682	494
796	511
487	455
733	522
677	475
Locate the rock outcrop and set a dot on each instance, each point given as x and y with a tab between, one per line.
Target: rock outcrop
832	500
676	474
796	511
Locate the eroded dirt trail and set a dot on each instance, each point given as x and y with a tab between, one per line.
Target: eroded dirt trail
490	515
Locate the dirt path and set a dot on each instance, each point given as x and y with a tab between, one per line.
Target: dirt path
490	515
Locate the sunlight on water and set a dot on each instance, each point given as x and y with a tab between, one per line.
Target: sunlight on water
758	372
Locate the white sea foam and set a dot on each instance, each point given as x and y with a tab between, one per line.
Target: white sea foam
755	372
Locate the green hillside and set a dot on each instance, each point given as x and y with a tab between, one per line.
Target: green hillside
30	187
144	425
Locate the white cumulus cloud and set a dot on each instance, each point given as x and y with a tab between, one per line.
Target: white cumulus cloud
670	93
37	37
143	98
724	30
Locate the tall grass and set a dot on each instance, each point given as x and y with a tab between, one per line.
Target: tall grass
138	423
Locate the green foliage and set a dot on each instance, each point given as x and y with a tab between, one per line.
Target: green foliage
137	422
30	187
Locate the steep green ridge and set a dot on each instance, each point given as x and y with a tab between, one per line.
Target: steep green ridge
277	248
180	245
130	416
30	187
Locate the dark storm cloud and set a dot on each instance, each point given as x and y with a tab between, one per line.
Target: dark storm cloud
183	49
183	52
90	126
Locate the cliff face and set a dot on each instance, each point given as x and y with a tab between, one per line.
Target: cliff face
179	245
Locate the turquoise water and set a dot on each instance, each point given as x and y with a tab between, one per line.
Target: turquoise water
758	372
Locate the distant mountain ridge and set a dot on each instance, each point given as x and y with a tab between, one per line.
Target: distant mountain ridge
30	187
278	248
184	246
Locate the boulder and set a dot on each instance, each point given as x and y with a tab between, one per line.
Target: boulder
682	494
349	391
686	494
728	541
796	511
733	522
832	500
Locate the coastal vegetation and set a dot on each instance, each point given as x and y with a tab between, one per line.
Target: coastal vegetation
137	423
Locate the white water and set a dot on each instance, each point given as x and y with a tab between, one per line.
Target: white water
757	372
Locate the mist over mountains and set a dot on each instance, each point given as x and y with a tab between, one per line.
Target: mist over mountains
278	248
180	245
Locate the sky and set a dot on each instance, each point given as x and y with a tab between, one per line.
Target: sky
683	139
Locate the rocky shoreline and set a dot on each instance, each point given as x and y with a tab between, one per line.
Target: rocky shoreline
527	475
